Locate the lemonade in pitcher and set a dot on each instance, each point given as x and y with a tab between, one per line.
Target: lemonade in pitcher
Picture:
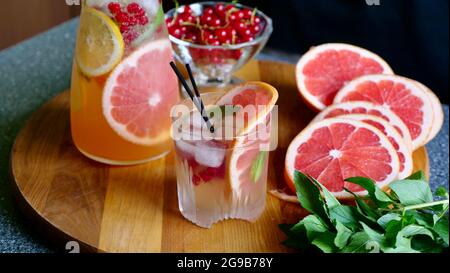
122	85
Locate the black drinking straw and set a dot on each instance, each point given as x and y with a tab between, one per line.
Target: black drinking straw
201	107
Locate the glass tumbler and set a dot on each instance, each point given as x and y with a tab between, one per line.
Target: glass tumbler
220	175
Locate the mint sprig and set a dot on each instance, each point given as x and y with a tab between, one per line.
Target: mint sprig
406	220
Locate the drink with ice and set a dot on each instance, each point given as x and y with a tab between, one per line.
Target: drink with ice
223	174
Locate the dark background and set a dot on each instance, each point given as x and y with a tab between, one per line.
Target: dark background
411	35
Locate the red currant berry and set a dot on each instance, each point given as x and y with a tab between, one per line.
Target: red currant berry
207	35
213	42
130	36
170	22
229	7
187	10
193	37
134	8
124	28
209	11
206	19
222	35
122	17
247	39
247	13
216	22
255	29
257	20
239	26
114	7
245	32
143	20
175	31
220	10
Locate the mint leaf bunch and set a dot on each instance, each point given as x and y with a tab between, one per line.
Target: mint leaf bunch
405	220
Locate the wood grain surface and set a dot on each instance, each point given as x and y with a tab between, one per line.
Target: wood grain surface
135	209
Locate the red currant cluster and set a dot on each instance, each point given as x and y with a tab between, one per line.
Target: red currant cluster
127	18
217	25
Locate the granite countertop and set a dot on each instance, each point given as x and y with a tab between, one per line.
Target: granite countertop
35	70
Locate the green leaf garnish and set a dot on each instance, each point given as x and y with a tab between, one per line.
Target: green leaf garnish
258	166
406	220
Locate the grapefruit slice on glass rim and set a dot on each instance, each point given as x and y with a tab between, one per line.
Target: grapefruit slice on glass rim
401	95
324	69
139	94
363	107
334	149
404	151
248	160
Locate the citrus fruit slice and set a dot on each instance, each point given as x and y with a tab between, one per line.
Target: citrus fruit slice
324	69
363	107
100	45
401	95
139	94
404	151
438	112
247	166
334	149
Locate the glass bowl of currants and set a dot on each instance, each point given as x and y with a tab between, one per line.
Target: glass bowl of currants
217	38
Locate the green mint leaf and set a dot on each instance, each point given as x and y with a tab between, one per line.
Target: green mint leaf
313	226
347	215
358	243
309	195
373	235
425	244
441	192
342	236
375	193
384	220
258	166
405	235
329	197
441	229
295	239
392	229
423	219
325	242
420	175
412	192
365	211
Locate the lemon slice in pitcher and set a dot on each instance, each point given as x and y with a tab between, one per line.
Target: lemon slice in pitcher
100	45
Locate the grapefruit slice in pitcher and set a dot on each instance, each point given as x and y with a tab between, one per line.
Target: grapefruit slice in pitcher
139	94
401	95
247	166
324	69
404	151
363	107
334	149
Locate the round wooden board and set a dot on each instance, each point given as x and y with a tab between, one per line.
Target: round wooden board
135	209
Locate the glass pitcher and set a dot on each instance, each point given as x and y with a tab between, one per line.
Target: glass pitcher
122	85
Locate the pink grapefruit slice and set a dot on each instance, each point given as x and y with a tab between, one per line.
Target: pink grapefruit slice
334	149
404	151
324	69
401	95
363	107
139	94
247	166
438	112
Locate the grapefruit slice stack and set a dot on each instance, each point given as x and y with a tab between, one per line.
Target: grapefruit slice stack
324	69
334	149
370	122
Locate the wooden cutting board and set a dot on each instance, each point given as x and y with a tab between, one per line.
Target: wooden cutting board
135	209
